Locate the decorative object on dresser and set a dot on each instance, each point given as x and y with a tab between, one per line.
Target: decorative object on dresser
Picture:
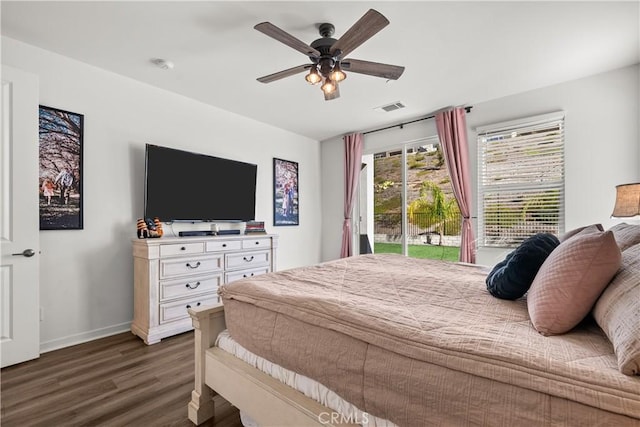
149	228
254	227
172	275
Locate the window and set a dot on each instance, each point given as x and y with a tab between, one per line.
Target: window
521	180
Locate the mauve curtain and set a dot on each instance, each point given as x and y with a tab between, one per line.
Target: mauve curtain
352	161
452	130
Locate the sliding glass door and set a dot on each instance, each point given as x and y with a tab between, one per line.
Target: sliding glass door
412	210
389	209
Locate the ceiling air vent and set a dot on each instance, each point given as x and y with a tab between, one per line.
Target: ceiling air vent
390	107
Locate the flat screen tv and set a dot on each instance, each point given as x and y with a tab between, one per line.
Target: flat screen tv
185	186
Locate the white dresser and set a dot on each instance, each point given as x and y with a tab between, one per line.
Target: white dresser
172	274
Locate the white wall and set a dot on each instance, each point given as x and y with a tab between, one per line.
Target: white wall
602	147
86	280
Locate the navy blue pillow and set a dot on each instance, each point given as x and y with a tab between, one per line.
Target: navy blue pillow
511	278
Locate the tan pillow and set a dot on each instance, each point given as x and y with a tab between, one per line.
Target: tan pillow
593	228
626	235
570	281
618	312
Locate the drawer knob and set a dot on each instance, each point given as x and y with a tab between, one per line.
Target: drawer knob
189	305
224	245
257	243
193	266
193	286
183	248
250	275
248	259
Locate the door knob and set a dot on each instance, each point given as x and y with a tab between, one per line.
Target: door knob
27	252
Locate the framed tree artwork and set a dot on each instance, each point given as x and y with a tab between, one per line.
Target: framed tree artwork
60	158
285	193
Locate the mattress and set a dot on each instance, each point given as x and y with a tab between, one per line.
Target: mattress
305	385
421	342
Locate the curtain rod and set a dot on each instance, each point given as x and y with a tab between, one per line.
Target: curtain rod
400	125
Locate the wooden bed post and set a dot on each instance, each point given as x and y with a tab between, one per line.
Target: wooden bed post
208	322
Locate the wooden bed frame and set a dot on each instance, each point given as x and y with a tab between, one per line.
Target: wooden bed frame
268	401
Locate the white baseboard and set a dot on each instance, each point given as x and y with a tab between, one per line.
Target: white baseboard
83	337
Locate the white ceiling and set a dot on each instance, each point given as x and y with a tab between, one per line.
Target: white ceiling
455	53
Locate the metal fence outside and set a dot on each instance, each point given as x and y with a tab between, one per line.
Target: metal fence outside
391	224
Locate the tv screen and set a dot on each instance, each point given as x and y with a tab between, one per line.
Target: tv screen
181	185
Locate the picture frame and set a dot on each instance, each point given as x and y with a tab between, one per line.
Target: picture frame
60	163
286	192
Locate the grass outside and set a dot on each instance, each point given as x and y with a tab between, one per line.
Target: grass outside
447	253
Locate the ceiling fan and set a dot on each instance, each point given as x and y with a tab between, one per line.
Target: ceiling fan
329	56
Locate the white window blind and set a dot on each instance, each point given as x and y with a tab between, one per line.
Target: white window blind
521	180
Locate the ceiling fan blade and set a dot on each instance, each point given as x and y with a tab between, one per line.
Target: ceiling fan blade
284	73
392	72
286	38
366	27
333	95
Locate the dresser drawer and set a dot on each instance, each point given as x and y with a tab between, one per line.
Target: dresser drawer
243	274
189	287
224	245
195	265
247	259
181	249
173	311
256	243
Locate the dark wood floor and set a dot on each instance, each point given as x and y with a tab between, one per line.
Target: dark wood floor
114	381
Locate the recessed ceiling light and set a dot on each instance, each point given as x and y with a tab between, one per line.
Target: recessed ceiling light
162	63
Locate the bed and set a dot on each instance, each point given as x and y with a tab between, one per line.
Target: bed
410	343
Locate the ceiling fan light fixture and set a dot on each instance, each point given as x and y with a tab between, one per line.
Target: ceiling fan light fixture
329	86
313	77
329	56
325	65
337	75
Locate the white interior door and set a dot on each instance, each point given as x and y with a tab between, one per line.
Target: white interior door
19	223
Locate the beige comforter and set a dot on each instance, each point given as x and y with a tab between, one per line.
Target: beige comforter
438	313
